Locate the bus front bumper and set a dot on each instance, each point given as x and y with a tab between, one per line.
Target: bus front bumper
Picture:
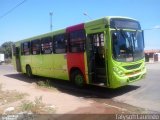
119	81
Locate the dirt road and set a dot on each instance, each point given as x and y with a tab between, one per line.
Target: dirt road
64	97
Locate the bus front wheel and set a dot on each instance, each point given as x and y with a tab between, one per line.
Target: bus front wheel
29	71
77	78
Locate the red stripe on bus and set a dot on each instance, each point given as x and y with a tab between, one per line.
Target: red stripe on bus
76	60
75	27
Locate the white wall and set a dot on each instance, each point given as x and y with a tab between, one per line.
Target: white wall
1	57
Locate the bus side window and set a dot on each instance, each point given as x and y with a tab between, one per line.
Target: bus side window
60	44
98	39
77	40
46	45
25	48
35	47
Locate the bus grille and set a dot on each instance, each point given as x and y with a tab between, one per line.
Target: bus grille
134	78
132	66
133	72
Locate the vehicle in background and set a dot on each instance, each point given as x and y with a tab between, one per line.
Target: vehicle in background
107	52
1	58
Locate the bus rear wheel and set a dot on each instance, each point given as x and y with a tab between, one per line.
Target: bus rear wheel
29	71
77	78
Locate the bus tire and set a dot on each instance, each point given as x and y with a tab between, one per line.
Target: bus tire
77	78
29	71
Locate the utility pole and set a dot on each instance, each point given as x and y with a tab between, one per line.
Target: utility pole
51	13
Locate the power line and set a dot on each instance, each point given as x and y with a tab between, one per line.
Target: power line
12	9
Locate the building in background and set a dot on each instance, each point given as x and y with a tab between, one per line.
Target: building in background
152	55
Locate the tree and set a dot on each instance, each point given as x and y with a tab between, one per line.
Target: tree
6	49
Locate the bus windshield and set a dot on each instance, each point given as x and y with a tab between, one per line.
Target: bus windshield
127	46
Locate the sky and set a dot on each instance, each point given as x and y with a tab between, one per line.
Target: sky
32	17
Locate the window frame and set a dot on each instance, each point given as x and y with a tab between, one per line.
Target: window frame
65	41
29	48
74	43
43	40
35	42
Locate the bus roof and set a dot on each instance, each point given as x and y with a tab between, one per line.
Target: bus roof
44	35
104	20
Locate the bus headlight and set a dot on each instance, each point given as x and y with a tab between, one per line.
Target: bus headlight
118	71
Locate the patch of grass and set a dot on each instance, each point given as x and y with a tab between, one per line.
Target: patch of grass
19	96
7	97
36	107
10	96
45	83
26	106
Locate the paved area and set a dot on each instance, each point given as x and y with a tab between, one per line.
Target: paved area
7	69
147	92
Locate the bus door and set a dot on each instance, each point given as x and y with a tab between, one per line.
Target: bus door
16	53
96	59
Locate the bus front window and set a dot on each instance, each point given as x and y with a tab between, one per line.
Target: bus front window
127	46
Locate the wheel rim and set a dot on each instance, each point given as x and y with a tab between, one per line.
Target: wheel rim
79	80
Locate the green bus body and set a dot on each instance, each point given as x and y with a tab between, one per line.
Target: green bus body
100	63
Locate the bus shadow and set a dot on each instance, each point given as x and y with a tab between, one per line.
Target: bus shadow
88	91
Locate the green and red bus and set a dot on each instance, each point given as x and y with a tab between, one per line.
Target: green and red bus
107	52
